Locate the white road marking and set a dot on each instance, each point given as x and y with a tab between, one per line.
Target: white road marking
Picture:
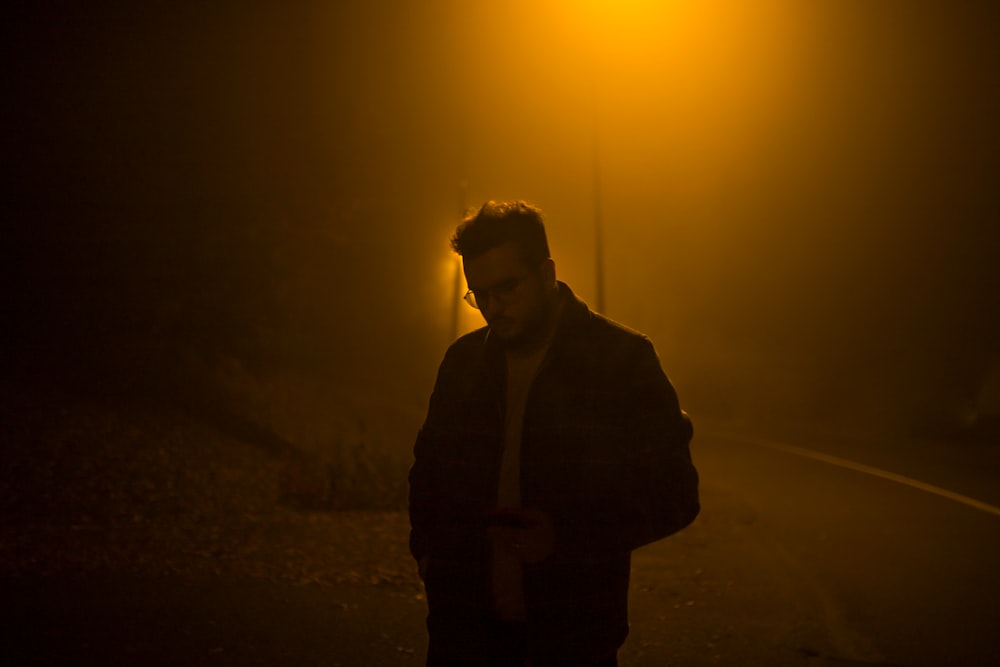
868	470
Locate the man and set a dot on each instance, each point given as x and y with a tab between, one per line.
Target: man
554	445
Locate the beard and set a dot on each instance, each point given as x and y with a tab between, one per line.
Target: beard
534	330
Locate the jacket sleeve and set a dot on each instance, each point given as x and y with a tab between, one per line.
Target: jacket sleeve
424	502
421	499
657	456
657	484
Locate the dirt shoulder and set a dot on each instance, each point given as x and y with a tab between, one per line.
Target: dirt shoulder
133	531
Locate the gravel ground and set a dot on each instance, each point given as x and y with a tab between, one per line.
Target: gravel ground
135	532
137	489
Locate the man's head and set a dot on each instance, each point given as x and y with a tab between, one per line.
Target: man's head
511	277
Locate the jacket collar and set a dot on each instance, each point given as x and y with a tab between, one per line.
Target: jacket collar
574	315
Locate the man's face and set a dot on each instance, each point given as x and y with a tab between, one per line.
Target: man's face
513	297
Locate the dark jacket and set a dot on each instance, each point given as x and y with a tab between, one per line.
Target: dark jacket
604	452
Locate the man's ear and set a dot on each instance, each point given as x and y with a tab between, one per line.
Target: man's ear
549	272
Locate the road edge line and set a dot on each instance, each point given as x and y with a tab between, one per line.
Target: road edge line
863	468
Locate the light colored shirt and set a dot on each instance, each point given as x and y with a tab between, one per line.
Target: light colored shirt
508	574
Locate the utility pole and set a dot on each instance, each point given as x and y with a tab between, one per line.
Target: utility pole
598	223
456	297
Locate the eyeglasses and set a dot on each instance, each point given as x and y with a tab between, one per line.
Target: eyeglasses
502	292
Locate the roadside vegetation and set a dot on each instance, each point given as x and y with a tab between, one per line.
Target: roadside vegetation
215	470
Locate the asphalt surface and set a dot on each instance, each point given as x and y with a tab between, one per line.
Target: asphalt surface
898	569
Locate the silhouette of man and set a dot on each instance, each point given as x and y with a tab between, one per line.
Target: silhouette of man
553	446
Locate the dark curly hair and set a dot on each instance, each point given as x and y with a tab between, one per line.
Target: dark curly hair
496	223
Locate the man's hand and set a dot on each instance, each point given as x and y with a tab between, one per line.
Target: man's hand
527	534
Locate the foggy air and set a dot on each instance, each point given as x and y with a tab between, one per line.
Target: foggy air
229	286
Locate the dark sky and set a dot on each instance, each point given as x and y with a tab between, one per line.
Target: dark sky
799	199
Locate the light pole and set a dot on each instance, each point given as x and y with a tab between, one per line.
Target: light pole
598	223
456	297
463	186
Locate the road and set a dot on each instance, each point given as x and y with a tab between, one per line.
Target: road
827	559
802	556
